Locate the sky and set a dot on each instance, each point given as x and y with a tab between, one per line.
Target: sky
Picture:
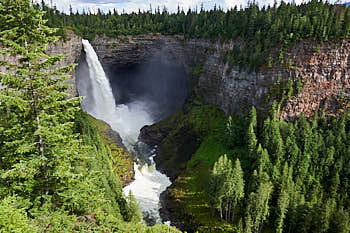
134	5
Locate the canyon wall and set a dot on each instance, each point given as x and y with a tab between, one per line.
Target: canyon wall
228	90
71	48
324	70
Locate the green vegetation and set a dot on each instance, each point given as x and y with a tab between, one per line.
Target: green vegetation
186	130
284	176
258	32
295	176
188	193
59	172
122	163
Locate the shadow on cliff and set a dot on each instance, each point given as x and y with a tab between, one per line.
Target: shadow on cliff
160	83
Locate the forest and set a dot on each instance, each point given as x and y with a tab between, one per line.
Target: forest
56	171
287	177
269	175
257	30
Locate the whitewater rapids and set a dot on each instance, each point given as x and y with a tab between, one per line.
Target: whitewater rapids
127	120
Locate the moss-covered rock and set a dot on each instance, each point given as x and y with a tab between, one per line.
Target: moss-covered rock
179	136
122	162
190	143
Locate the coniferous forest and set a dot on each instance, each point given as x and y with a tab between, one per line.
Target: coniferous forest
55	170
261	29
288	177
261	173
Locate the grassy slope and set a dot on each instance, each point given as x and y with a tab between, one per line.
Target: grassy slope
189	188
186	197
122	163
112	217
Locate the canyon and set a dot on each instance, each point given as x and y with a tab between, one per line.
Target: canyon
324	71
323	68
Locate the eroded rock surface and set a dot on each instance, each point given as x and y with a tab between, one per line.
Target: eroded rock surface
325	73
324	70
70	48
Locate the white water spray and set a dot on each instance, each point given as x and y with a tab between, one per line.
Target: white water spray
127	120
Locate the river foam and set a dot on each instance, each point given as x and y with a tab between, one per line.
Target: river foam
127	120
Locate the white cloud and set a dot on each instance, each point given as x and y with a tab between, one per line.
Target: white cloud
135	5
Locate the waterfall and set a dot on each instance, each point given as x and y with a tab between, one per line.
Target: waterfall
127	120
102	103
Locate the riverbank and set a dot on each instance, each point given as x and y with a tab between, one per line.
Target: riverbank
187	162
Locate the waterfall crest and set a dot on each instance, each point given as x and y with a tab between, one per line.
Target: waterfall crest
100	103
127	120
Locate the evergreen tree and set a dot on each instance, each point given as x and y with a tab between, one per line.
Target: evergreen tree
39	149
238	186
226	187
252	141
258	204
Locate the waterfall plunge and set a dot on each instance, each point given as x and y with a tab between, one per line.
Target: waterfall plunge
100	102
127	120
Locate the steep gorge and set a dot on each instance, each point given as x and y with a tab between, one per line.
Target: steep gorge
324	70
320	66
234	90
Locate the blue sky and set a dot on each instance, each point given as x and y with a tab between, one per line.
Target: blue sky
134	5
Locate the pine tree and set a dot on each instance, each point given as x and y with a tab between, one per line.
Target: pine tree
283	199
226	187
238	186
215	187
252	141
258	203
39	148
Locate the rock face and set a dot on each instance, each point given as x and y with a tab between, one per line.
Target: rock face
71	48
323	69
325	72
124	50
231	90
153	136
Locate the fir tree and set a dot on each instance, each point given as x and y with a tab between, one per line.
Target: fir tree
39	148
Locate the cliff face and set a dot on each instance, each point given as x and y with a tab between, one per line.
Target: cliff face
323	69
230	89
325	72
125	50
71	48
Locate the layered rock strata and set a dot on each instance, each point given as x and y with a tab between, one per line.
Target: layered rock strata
70	48
324	71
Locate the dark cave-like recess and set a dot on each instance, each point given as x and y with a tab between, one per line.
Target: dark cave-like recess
160	81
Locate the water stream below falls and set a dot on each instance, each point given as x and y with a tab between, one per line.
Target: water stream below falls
127	120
